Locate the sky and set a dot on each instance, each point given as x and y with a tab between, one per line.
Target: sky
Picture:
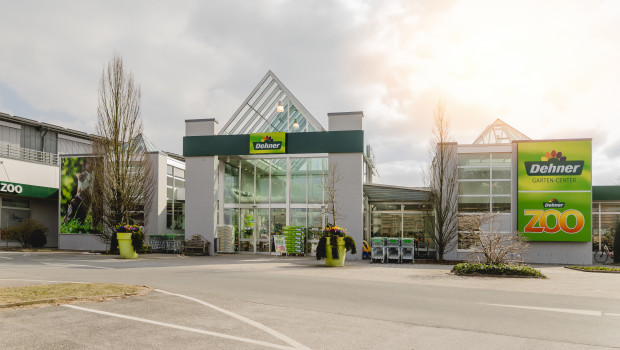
550	69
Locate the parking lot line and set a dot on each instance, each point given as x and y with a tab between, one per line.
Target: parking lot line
551	309
188	329
260	326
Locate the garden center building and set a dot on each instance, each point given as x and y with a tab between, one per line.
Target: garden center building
266	167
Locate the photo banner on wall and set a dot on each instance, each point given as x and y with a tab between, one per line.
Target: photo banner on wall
555	190
77	212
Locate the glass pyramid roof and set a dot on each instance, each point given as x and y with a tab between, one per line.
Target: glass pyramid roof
499	132
259	112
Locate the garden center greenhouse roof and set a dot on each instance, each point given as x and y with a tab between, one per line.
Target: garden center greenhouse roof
271	107
499	132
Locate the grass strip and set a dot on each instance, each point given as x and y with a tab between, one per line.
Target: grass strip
66	292
499	270
595	268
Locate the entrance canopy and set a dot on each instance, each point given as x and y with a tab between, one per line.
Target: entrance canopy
388	193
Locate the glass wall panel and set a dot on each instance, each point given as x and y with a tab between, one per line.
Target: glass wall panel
474	159
231	182
316	173
474	173
413	226
298	180
315	226
278	220
501	173
474	187
298	217
385	207
247	181
501	158
610	207
262	180
261	225
501	204
278	181
231	217
386	224
416	207
500	187
474	204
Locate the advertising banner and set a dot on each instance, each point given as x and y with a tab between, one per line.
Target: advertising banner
555	190
280	244
76	196
268	142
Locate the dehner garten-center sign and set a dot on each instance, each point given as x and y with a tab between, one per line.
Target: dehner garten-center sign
268	142
555	190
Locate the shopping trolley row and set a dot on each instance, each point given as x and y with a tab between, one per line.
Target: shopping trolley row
385	249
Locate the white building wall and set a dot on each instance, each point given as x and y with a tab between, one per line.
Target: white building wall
156	223
29	173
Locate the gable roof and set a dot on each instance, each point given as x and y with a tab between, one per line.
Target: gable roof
258	113
499	132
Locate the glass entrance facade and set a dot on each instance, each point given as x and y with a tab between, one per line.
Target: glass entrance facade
262	195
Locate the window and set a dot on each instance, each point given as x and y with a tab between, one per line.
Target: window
14	210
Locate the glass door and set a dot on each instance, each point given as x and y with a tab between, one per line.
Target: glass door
261	226
246	233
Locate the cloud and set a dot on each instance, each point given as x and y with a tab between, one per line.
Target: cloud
548	69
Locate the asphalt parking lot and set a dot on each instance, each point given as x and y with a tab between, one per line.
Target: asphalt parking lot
255	302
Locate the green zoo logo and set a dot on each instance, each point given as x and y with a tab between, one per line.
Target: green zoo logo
10	188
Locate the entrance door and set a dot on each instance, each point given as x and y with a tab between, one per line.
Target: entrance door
247	239
261	227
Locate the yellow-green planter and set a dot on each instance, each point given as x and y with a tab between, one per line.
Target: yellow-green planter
125	247
329	261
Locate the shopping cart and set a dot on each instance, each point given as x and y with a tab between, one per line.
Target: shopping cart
377	250
406	249
392	247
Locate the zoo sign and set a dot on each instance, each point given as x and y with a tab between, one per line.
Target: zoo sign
6	187
28	190
555	190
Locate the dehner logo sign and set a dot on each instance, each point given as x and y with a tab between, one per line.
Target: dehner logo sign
553	203
267	143
10	188
554	163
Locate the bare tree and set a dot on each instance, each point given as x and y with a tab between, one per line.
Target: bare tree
329	185
442	179
481	235
123	172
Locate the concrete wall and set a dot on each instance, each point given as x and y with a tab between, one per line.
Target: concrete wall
46	211
80	242
156	223
201	185
349	190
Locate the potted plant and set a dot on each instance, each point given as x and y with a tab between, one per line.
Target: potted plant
130	240
333	245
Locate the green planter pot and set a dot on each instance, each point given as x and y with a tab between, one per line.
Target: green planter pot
329	261
125	246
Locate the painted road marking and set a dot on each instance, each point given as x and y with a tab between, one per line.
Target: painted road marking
5	257
260	326
77	265
194	330
610	314
551	309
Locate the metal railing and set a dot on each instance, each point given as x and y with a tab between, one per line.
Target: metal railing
10	151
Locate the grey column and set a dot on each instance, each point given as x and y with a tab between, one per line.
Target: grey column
350	189
201	175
